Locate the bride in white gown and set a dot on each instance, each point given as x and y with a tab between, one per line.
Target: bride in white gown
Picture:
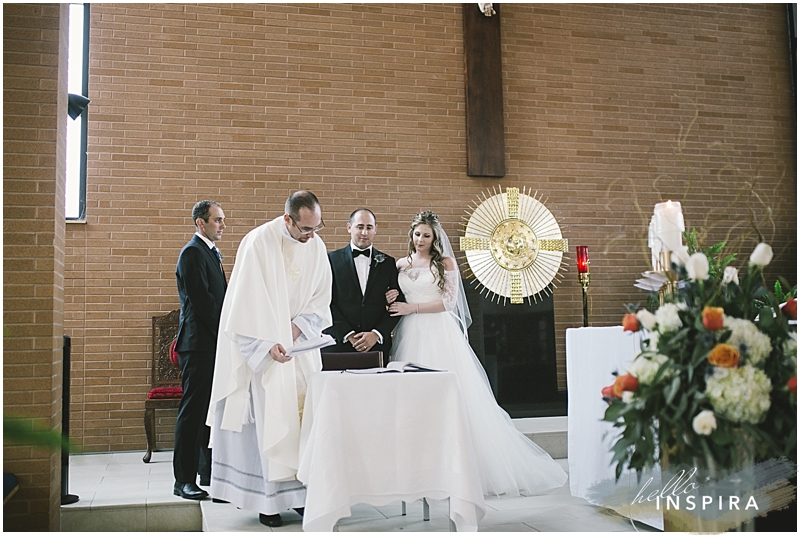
432	332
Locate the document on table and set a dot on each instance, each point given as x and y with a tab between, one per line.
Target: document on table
397	367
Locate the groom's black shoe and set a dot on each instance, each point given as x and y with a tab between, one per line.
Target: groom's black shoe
189	491
273	521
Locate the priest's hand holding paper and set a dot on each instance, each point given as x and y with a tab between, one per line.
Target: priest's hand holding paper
278	353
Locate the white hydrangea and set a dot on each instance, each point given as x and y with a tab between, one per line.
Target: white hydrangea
790	350
745	336
667	318
790	345
645	366
739	394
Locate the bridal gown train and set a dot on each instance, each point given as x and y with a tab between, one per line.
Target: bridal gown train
509	463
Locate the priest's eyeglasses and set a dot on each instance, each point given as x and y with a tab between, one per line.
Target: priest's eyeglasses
306	231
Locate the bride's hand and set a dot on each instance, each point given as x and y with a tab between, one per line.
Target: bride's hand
399	308
391	296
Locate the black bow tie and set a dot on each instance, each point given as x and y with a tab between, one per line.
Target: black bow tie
356	252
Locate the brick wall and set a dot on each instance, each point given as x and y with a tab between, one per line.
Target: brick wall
34	149
608	110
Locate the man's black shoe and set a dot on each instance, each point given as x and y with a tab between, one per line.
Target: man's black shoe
189	491
300	510
273	521
218	500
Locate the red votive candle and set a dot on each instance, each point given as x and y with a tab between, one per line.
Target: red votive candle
583	258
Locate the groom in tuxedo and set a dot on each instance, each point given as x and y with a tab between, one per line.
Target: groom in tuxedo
361	276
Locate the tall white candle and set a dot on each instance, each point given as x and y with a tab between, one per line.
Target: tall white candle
654	243
669	225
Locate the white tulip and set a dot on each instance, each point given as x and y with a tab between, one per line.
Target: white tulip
730	275
762	255
647	319
680	255
697	267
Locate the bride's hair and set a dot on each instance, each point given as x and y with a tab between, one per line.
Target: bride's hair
437	255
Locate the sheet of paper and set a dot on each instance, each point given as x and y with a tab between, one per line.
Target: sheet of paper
315	343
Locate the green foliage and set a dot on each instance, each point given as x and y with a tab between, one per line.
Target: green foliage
29	432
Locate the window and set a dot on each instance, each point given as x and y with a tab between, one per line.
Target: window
77	83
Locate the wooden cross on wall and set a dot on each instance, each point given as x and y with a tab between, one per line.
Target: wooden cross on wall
484	92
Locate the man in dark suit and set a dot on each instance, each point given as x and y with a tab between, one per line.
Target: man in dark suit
201	287
361	276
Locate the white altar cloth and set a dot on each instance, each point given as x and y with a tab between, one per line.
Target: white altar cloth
593	353
383	438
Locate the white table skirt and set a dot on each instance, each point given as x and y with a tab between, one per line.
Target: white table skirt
382	438
593	353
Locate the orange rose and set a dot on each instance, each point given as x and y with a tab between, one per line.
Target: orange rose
724	356
790	308
625	383
630	323
713	318
792	385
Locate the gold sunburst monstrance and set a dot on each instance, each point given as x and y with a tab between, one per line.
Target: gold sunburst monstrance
513	245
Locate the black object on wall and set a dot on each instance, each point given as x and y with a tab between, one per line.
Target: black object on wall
517	346
66	497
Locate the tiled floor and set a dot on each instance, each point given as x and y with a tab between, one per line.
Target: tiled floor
118	492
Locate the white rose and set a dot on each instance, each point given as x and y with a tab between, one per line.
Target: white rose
697	267
762	255
647	319
730	275
704	423
627	396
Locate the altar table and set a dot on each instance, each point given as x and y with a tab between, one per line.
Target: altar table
384	438
593	353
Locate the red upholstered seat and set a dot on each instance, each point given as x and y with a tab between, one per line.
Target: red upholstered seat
165	392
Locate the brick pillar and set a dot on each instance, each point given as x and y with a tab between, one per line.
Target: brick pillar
35	38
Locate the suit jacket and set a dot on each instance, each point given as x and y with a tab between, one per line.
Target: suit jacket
201	287
353	311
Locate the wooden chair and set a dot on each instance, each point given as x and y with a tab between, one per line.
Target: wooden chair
352	361
166	391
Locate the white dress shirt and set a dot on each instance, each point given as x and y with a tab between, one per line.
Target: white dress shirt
362	263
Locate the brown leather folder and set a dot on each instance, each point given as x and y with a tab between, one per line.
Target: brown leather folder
352	361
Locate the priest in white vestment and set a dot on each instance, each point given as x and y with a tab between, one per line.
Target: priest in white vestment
279	294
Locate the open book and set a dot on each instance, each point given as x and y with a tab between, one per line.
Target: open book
397	367
315	343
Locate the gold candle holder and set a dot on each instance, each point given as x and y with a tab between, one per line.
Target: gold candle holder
582	254
583	278
665	267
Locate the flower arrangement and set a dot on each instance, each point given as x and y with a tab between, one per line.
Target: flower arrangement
717	378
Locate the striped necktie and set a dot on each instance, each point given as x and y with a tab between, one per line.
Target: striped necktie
219	256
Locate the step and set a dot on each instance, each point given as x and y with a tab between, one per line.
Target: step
549	433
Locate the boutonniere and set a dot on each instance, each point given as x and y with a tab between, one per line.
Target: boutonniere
380	257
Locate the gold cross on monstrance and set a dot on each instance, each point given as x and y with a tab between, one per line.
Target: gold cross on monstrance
513	245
